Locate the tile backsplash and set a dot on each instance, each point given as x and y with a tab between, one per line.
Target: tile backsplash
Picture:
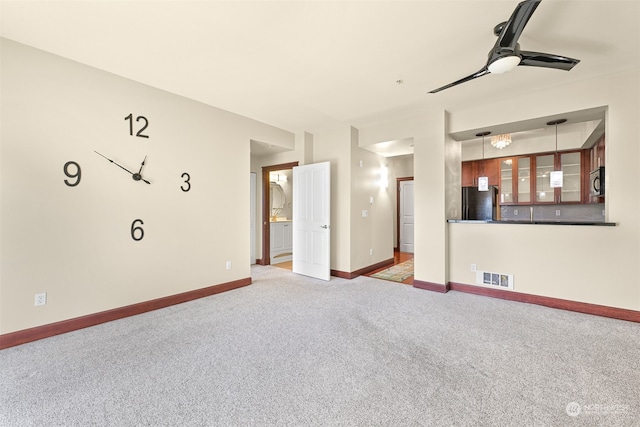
593	212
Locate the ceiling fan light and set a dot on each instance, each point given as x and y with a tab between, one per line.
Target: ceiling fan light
504	64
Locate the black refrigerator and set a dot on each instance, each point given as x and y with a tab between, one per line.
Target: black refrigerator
479	205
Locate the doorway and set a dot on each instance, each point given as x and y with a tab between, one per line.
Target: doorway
405	209
269	216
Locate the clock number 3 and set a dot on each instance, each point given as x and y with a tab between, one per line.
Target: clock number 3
144	126
75	173
137	233
186	182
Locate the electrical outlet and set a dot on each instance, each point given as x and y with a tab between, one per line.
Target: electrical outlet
557	212
41	299
515	212
365	213
371	251
228	265
474	267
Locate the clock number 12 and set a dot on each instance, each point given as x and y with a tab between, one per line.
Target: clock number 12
144	126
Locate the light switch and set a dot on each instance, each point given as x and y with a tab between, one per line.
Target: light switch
365	213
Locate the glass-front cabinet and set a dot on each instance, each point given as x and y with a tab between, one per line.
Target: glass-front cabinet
544	166
524	179
527	179
571	166
506	184
515	180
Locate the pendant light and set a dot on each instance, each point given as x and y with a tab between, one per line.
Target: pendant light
555	177
483	181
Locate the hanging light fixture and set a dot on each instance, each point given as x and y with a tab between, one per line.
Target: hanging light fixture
483	181
501	141
555	177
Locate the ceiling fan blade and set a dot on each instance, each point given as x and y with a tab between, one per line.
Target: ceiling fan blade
510	34
547	60
465	79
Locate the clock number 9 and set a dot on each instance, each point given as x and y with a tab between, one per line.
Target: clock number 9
139	133
186	181
137	233
77	175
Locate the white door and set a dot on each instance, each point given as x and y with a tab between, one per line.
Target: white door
406	216
311	225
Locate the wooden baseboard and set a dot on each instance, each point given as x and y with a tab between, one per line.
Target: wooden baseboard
33	334
365	270
430	286
580	307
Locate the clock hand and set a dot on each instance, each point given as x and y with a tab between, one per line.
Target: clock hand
142	165
121	167
138	176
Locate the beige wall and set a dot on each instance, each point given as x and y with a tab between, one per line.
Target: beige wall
74	243
597	265
334	146
352	236
374	232
428	133
591	264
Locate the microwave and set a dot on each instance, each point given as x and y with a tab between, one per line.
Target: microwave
596	182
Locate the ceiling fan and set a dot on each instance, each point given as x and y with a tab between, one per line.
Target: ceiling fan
506	54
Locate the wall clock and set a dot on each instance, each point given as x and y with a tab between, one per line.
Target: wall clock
125	163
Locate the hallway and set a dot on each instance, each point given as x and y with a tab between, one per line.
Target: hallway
398	258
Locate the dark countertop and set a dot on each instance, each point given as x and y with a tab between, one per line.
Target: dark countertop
467	221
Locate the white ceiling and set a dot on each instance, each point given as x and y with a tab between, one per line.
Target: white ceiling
312	65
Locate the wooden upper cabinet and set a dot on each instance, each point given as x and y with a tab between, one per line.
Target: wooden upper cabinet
525	179
473	169
469	174
492	170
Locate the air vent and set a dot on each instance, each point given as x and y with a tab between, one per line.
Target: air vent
498	280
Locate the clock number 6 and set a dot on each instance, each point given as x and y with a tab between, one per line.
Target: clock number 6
137	233
139	133
77	175
186	181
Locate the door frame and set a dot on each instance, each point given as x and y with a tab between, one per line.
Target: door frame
266	211
398	181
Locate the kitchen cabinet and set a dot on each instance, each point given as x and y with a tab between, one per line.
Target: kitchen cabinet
515	180
595	160
570	163
281	238
545	164
471	170
527	179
